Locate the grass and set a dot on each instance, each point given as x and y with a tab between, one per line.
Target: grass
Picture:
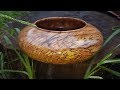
16	20
106	59
29	71
14	14
29	67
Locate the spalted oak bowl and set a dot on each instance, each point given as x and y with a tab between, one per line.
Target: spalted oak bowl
60	40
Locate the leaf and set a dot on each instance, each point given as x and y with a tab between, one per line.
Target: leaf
108	55
110	71
94	70
105	58
14	71
28	67
115	48
17	30
95	77
111	61
88	71
111	36
7	40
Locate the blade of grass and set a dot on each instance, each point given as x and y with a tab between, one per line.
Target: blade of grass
108	55
111	61
28	67
110	71
17	30
104	58
95	77
86	76
26	59
114	48
7	40
92	73
20	21
111	36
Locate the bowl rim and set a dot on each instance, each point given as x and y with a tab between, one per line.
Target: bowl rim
48	30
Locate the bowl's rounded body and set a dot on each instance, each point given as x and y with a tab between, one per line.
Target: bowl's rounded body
60	47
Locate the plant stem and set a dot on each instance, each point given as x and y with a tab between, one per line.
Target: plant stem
15	71
20	21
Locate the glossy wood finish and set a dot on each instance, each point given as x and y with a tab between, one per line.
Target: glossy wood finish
60	40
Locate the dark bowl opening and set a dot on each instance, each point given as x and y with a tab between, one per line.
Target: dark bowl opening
60	23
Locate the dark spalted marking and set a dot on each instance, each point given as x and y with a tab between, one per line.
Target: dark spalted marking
46	41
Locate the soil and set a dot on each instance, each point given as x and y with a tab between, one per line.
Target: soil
102	21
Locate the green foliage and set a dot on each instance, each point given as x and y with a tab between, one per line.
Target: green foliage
28	65
106	59
23	58
14	14
17	20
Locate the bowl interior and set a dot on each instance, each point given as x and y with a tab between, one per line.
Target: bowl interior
60	24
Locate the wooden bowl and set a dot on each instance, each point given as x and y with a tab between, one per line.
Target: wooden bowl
60	40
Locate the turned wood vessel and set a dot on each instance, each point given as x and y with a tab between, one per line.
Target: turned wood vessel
60	40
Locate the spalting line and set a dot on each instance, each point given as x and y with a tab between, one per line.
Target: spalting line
53	37
59	38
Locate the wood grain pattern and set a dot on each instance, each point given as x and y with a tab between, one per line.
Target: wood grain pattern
60	46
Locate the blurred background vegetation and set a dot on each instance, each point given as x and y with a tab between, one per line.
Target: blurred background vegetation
14	14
